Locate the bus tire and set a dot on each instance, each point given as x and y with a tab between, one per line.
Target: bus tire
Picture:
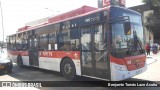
68	69
19	61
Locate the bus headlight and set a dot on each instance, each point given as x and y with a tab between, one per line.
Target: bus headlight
121	68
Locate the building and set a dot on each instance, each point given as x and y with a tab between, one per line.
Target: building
105	3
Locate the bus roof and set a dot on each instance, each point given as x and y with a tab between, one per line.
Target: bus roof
28	28
125	9
73	13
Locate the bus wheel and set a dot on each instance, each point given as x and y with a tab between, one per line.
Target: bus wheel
68	69
19	61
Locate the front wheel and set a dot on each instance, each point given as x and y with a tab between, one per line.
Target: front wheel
68	69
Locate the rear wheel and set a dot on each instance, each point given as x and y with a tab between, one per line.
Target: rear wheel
68	69
19	61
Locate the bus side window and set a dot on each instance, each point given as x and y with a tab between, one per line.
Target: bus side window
43	42
100	37
73	46
63	38
51	42
74	36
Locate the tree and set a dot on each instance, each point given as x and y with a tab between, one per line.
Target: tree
153	18
154	5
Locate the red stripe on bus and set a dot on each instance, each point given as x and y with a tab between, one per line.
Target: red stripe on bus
132	62
117	60
51	54
135	62
23	53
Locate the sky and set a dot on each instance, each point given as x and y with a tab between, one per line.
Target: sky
18	12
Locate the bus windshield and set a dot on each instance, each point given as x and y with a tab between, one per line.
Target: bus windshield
127	45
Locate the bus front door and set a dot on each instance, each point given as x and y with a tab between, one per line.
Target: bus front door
33	53
94	52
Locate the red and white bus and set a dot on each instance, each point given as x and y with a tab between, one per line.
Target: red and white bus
105	44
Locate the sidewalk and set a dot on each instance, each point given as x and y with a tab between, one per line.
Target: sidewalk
152	58
153	69
154	55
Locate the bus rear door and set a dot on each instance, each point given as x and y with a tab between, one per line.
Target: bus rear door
33	52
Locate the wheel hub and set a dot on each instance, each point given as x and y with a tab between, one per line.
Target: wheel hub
67	68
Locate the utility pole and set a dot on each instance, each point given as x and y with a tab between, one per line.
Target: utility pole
2	23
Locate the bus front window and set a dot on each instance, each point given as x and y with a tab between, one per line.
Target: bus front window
130	44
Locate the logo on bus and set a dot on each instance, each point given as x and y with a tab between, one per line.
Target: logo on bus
46	54
92	19
137	63
76	56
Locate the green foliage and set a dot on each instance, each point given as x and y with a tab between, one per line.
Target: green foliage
155	6
151	20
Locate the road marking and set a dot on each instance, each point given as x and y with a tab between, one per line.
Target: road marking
150	60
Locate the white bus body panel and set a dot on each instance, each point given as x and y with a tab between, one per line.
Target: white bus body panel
25	60
48	63
117	75
13	58
54	64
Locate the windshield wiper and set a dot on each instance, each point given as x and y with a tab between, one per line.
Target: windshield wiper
136	46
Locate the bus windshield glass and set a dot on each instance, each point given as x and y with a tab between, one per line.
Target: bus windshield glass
126	44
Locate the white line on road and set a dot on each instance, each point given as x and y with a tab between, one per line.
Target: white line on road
150	60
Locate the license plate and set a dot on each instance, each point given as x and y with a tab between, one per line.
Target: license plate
138	72
1	66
